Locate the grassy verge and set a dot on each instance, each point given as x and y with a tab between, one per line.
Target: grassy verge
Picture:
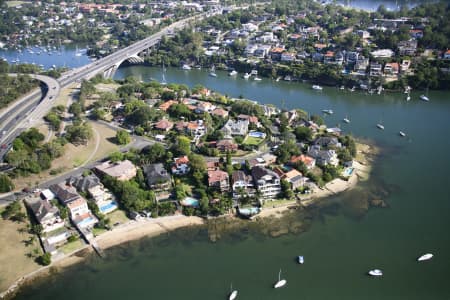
252	141
72	246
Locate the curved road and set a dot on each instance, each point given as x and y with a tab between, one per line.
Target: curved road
22	113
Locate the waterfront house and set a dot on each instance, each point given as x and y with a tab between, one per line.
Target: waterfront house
328	141
181	165
295	179
447	54
391	69
375	69
323	157
267	182
92	186
122	171
45	213
242	184
157	177
250	119
218	179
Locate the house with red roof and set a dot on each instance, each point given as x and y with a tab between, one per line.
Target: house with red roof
218	179
163	125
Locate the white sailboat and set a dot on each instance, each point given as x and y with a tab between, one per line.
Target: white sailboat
380	125
346	120
424	98
376	272
280	282
402	134
233	293
212	73
256	78
316	87
425	257
77	53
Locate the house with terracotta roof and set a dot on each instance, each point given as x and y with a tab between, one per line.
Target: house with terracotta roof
275	53
392	69
218	179
181	165
226	145
166	105
295	178
447	54
250	119
305	159
220	112
163	125
123	170
203	107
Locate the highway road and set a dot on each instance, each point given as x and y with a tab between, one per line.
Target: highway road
23	113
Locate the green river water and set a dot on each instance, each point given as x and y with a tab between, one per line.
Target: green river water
340	241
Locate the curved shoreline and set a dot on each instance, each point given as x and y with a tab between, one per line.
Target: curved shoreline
135	230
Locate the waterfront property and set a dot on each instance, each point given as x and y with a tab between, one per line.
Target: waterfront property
218	179
267	183
45	213
158	178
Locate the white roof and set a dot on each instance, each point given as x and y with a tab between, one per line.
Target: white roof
48	194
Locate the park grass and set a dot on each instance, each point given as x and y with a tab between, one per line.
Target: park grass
72	246
97	231
252	141
106	145
15	260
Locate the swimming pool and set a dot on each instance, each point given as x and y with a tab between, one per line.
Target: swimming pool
86	222
189	201
108	207
348	171
257	134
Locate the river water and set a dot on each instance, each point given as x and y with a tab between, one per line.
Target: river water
340	241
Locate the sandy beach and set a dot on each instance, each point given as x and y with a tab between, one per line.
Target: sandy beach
134	230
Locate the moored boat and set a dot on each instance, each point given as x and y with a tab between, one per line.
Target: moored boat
233	73
257	78
246	76
424	98
186	67
280	282
424	257
327	111
300	259
376	272
346	120
401	133
233	293
317	87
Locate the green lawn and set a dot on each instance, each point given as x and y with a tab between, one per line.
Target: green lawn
117	216
277	203
70	247
14	3
252	141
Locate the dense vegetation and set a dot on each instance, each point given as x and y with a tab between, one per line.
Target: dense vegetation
30	155
11	87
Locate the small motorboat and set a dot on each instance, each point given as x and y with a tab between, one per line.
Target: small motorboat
380	126
342	88
186	67
300	259
327	111
408	97
424	98
280	282
376	272
257	78
233	73
346	120
424	257
402	134
317	87
246	76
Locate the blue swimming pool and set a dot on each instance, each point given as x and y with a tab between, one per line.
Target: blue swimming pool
348	171
86	221
189	201
257	134
108	207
